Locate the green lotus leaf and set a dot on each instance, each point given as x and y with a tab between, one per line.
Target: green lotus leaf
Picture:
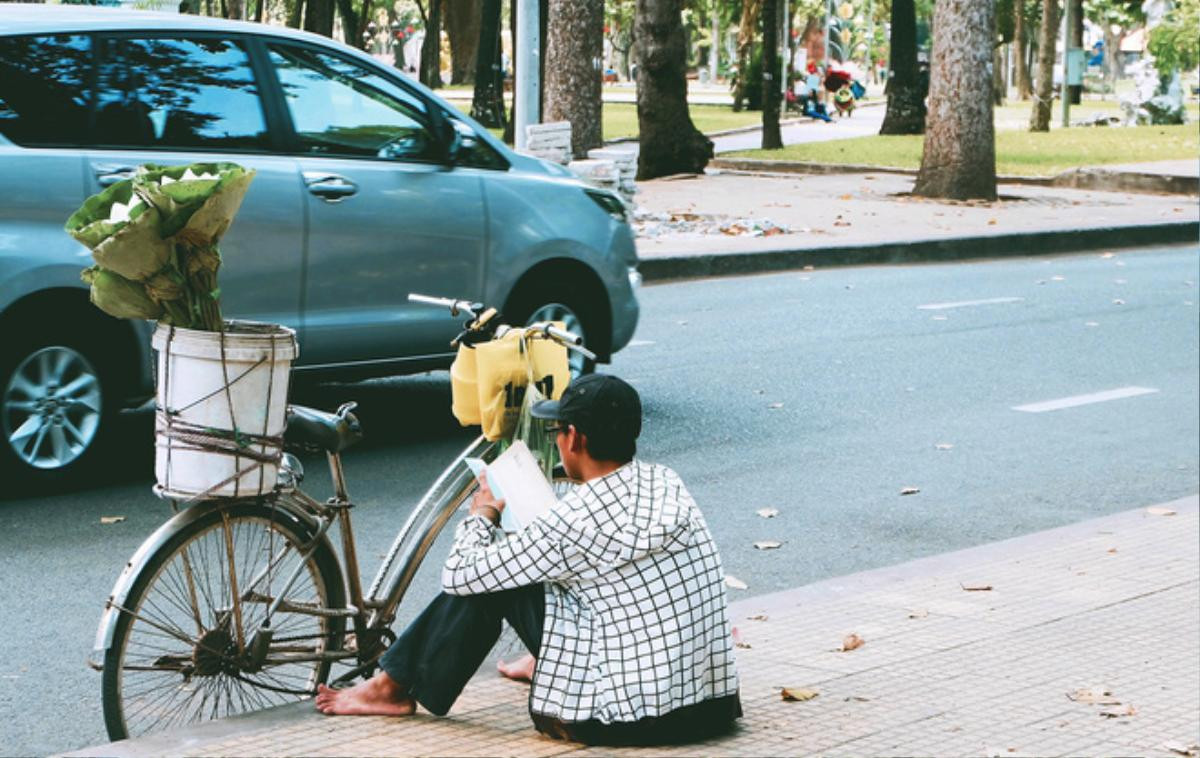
212	190
92	223
119	297
136	250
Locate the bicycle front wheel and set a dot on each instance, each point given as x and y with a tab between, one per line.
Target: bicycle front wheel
181	651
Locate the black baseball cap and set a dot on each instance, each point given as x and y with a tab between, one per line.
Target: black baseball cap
598	405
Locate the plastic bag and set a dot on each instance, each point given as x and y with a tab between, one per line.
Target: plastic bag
505	366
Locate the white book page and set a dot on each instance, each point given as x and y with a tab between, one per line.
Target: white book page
516	478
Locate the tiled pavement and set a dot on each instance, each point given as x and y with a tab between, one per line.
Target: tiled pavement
946	668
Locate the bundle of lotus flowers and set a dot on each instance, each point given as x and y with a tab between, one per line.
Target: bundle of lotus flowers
154	240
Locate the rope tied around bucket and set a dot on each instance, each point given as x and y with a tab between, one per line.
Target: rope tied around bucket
245	447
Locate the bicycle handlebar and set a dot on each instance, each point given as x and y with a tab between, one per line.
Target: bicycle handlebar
567	339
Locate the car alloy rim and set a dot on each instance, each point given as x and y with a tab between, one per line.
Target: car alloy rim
571	322
51	407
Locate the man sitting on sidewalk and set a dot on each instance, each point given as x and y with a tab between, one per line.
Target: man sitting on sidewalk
617	592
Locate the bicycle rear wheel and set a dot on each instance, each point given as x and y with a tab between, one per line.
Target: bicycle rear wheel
180	654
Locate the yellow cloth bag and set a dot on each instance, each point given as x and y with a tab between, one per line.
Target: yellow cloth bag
464	386
504	368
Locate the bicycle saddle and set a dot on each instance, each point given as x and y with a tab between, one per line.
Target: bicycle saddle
332	432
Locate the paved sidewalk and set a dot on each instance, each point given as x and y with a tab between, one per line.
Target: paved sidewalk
701	225
1082	640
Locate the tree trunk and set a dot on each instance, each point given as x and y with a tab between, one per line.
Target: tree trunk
905	96
670	143
235	9
463	19
510	129
351	31
258	10
1020	45
296	14
1043	96
487	106
1076	35
318	17
959	158
747	33
999	88
573	54
1112	57
431	48
771	138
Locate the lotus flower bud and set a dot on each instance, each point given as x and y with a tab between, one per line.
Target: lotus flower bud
119	297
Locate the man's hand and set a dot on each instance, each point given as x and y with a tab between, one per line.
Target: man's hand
484	503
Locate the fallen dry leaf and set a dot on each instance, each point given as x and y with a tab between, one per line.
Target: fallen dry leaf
992	222
757	617
738	641
1179	748
1095	695
735	583
775	406
976	587
856	699
843	197
1123	713
797	694
1158	510
767	512
851	642
1112	550
909	491
768	544
918	614
111	519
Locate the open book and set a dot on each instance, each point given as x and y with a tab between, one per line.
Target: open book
516	478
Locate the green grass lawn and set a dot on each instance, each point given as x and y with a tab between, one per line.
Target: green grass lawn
1018	152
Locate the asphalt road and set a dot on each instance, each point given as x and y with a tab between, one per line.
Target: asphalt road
821	394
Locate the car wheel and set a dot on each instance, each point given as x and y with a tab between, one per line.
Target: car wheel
575	315
54	406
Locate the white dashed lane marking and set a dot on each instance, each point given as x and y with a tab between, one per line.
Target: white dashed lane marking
1076	400
968	303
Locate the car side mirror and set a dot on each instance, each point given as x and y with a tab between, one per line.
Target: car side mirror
452	140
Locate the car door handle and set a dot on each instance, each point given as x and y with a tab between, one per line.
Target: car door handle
108	174
329	187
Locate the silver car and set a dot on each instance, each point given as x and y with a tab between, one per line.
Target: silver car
368	187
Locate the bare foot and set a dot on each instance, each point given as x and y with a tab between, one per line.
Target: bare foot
378	696
520	669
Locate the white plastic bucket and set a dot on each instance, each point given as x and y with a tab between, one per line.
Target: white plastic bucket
222	405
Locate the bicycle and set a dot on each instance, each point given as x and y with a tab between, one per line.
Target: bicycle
235	605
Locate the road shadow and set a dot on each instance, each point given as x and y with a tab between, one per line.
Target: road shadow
396	413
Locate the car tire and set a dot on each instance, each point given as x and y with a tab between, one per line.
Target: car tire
551	300
57	403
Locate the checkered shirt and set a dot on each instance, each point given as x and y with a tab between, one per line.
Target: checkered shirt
636	621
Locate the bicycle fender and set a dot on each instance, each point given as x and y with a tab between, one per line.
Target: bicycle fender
141	557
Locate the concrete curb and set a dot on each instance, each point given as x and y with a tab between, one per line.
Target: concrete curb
690	266
1080	178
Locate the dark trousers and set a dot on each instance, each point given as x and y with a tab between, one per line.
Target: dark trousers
442	648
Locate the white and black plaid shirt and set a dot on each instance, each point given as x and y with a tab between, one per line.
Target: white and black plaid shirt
636	621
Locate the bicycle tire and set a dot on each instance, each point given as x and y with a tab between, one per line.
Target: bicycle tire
153	680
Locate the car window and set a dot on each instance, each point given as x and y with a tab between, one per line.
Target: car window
44	92
177	93
340	108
